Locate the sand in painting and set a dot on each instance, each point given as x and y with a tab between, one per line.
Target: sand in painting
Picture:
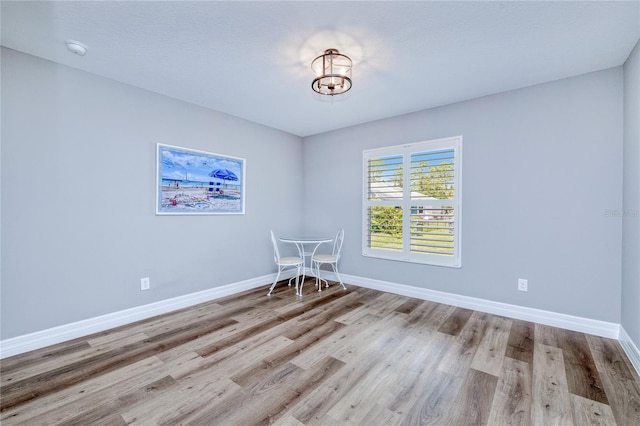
194	199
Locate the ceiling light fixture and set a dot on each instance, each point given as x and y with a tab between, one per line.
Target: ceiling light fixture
76	47
333	73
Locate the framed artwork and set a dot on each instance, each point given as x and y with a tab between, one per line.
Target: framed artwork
197	182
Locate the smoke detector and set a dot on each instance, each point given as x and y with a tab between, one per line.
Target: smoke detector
76	47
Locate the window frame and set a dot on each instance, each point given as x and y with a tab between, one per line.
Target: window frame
405	202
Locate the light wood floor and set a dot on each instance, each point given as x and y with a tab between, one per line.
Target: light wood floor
354	357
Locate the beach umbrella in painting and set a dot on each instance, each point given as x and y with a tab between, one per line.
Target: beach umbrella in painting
223	174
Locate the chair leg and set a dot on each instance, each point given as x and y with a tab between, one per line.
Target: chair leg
317	271
320	279
274	283
335	268
299	292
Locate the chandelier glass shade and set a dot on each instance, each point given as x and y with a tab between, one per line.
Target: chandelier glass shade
333	73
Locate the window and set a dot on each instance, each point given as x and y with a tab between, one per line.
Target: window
411	209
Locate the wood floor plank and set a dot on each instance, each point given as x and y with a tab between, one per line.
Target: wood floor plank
242	355
233	336
191	397
435	403
68	375
415	376
462	349
379	415
260	327
47	363
374	388
474	400
239	334
512	400
70	401
266	365
380	306
288	420
314	408
590	412
312	318
182	365
336	342
110	420
204	386
582	375
327	420
375	334
201	342
609	357
551	404
409	306
248	296
114	342
454	324
165	323
295	303
429	315
291	382
20	366
100	410
521	338
490	354
310	380
620	383
546	335
340	357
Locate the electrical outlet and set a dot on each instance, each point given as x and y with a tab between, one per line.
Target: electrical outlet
144	283
523	284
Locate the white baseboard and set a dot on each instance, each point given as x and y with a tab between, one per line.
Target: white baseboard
569	322
40	339
52	336
630	349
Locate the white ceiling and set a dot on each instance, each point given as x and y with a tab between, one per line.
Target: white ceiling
252	59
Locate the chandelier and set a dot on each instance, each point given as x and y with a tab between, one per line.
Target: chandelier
333	73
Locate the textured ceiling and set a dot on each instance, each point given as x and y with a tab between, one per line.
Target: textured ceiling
252	59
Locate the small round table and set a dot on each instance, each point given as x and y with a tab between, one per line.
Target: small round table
301	241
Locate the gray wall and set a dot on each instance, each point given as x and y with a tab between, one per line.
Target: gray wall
78	180
631	204
541	166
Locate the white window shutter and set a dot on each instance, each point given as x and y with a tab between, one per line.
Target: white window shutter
412	202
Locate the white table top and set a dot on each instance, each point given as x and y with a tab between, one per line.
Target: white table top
305	239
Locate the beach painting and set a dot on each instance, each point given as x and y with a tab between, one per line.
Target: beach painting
197	182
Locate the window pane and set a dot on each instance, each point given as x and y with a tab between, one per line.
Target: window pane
385	178
385	227
432	175
411	207
432	230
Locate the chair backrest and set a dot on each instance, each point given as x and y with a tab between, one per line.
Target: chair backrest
337	244
276	253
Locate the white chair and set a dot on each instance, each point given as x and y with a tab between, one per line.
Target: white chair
283	263
329	259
